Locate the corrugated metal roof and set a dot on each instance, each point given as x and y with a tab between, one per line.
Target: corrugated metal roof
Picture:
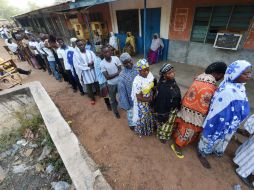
56	7
86	3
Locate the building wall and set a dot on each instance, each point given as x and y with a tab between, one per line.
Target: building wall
104	9
181	49
139	4
183	14
165	6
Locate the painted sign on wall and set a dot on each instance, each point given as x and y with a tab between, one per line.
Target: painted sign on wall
180	21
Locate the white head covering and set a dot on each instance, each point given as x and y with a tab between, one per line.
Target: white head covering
125	56
113	41
73	40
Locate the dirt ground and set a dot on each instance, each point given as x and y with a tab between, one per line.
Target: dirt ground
127	161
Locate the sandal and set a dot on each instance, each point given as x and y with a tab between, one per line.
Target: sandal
179	154
93	102
204	161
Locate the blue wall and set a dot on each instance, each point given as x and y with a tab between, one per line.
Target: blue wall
140	46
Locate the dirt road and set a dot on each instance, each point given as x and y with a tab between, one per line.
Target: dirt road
127	161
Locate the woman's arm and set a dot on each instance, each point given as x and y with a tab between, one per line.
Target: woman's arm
141	98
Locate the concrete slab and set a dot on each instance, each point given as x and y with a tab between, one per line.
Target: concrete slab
81	168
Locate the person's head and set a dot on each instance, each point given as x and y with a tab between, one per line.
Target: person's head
155	36
143	67
43	37
129	34
96	33
32	38
167	72
73	42
112	34
52	41
126	60
61	43
100	54
81	45
9	41
217	70
238	72
106	52
88	42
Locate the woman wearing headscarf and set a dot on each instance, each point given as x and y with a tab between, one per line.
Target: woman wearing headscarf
195	106
167	102
244	156
142	95
130	45
113	41
125	82
229	107
155	49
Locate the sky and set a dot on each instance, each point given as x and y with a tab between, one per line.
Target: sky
23	4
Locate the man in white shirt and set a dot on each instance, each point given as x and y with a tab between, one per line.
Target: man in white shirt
111	68
11	45
33	44
51	60
42	53
84	64
65	54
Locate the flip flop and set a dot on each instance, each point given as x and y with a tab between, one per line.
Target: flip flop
178	154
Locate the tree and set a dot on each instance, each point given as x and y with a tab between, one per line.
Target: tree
32	5
6	11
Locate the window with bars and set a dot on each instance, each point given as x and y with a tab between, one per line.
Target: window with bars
210	20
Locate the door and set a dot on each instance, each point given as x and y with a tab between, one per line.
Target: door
153	19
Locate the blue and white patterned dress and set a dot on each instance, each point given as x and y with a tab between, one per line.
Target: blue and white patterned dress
229	107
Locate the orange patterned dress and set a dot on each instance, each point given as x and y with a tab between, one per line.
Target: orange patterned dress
195	106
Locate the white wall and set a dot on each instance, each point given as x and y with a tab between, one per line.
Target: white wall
165	6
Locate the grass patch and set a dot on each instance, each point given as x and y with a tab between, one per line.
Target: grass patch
10	137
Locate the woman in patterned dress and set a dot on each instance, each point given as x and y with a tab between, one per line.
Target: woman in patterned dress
229	107
195	105
142	96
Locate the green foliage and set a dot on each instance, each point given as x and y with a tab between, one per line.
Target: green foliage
6	11
10	137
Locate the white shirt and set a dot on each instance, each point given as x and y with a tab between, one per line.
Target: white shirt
113	42
156	43
111	68
62	54
84	72
12	46
50	55
40	46
33	45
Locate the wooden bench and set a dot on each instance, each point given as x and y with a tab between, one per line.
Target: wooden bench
9	76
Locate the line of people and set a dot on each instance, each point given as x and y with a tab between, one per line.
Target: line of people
207	113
